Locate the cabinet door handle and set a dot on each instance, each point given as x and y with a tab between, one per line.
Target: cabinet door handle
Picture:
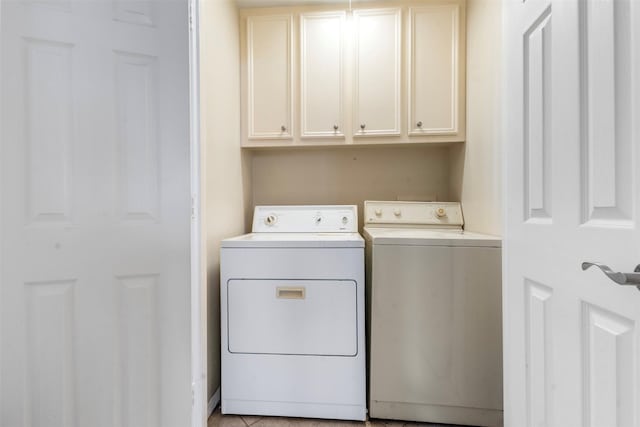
619	278
283	128
335	127
362	126
419	124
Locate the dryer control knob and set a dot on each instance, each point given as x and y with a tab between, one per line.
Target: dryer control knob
378	212
441	212
397	212
270	219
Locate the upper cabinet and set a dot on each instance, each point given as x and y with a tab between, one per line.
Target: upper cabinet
322	63
392	74
377	64
268	88
435	76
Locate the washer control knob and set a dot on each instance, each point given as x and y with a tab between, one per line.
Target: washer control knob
397	212
441	212
318	220
378	212
270	219
345	220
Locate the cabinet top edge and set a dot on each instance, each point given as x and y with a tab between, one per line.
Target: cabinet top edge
246	11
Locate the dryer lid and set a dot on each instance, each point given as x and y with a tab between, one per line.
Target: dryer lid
429	237
295	240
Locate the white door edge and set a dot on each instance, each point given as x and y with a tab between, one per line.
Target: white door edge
199	407
504	133
1	210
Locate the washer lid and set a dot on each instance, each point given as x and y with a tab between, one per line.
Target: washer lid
429	237
295	240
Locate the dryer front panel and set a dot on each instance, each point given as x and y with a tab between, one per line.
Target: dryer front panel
292	317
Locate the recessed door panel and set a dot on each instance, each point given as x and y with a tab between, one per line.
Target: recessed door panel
537	120
606	114
608	359
321	74
433	78
377	72
269	69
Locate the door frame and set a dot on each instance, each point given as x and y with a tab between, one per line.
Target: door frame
2	142
199	403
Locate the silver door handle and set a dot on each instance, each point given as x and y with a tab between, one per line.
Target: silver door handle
619	278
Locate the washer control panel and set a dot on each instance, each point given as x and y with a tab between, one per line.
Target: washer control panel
305	219
413	213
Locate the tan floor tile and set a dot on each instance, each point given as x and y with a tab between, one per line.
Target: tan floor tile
328	423
395	423
250	419
385	423
306	422
276	422
218	420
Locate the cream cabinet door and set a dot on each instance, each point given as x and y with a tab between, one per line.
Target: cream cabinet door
322	74
269	77
435	79
377	44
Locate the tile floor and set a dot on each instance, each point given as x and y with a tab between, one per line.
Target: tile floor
219	420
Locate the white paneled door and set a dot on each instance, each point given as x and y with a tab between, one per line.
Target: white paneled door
94	255
573	194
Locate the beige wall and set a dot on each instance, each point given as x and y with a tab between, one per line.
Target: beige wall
349	175
476	166
238	180
226	169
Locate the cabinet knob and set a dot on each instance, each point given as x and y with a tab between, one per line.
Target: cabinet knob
335	127
419	124
362	126
283	128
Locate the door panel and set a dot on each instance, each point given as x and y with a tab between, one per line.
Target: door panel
538	299
537	119
606	140
572	126
269	76
608	357
377	40
48	122
137	163
49	367
94	284
434	69
322	74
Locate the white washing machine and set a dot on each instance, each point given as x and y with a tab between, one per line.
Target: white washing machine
434	295
292	315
